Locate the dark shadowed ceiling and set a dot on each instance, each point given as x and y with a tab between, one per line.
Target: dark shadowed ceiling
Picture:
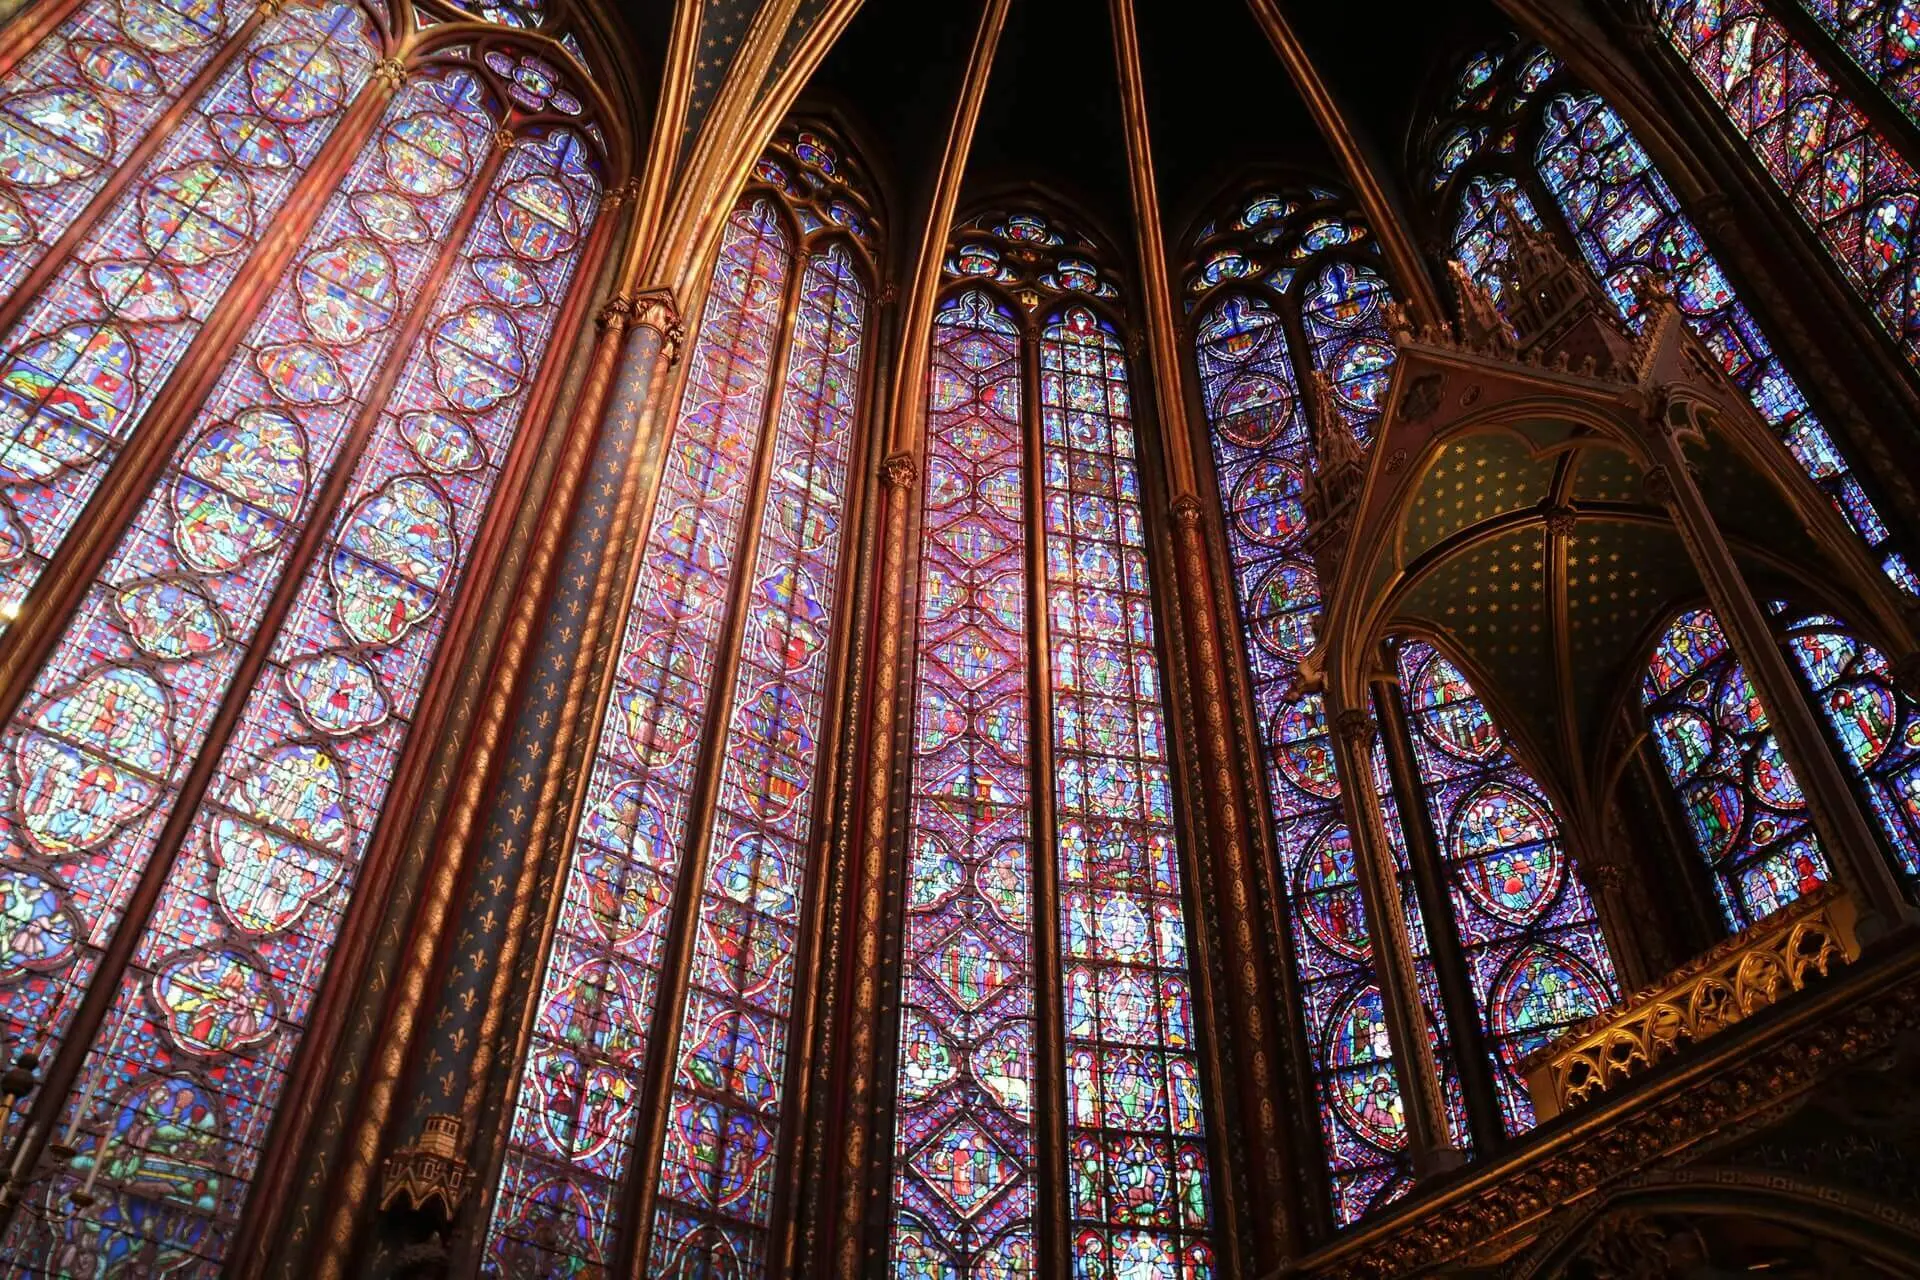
1220	103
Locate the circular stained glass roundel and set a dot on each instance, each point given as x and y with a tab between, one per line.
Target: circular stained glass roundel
1362	1089
1543	990
1302	750
1505	845
1281	610
1266	503
1450	715
1328	890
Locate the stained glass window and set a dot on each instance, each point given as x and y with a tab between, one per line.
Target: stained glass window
1138	1194
1525	927
964	1141
784	309
222	716
1883	36
1847	180
1262	454
1628	225
93	337
1137	1162
1876	725
1742	804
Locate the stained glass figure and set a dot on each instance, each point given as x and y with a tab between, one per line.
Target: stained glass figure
1524	924
573	1126
1850	183
91	338
964	1143
1251	382
1742	804
1876	725
1136	1132
1628	225
289	667
1883	36
684	720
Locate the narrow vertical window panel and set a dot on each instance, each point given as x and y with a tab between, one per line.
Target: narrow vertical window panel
724	1120
1742	804
1138	1177
964	1157
1883	37
1532	945
1876	725
1847	180
570	1147
1343	313
1263	456
114	719
1628	224
74	108
205	1024
82	367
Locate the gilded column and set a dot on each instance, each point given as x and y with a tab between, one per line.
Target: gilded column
448	1137
863	1134
1253	1025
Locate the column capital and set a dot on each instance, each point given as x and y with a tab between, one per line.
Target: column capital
657	309
900	471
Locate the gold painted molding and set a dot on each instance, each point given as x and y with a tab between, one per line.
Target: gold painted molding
1751	971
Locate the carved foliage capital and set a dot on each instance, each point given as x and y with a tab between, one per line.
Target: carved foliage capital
1355	726
391	70
656	309
900	471
617	313
1186	512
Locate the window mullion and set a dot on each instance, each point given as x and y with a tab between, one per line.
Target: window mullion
1471	1055
1051	1216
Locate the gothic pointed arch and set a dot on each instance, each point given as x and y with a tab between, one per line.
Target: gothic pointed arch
1046	966
692	861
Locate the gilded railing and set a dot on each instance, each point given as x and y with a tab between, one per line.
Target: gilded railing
1735	980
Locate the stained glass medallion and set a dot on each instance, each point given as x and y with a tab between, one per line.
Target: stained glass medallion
91	345
1741	802
1527	932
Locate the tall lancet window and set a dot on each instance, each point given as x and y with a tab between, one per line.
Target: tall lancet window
1517	127
1042	833
243	480
1287	295
1848	180
1527	933
1290	329
703	788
